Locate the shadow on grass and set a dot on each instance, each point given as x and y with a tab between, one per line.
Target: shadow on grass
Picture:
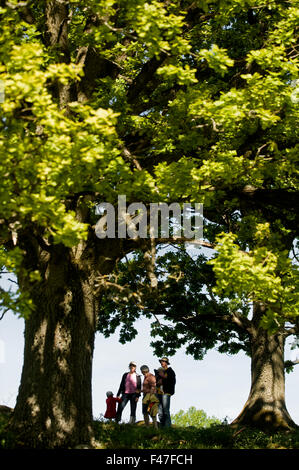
125	436
218	436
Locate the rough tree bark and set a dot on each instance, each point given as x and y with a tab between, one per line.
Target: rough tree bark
54	404
265	407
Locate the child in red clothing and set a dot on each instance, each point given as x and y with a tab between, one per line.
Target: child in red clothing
111	405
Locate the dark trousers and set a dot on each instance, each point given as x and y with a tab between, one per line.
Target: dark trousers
164	411
127	397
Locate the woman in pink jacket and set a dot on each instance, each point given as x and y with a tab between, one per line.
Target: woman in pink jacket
129	389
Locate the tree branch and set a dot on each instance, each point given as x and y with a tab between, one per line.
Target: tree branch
177	240
94	67
4	312
291	331
144	77
127	154
290	364
23	10
194	16
281	198
57	15
241	322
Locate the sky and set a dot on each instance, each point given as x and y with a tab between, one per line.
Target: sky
219	384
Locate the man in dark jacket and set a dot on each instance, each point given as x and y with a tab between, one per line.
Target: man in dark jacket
130	389
166	381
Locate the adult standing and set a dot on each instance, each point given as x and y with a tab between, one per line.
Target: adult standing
166	381
149	396
130	388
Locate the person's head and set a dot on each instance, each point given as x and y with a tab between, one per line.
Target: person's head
144	369
132	366
109	394
164	362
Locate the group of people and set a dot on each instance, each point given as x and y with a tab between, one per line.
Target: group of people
156	390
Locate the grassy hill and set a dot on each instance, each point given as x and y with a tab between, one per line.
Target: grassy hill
125	436
137	436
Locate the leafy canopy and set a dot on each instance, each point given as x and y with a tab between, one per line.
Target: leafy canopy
161	101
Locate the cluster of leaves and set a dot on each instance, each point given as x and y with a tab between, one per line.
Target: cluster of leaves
193	417
199	94
40	171
182	306
260	275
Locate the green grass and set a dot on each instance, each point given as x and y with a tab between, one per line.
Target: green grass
6	438
218	436
125	436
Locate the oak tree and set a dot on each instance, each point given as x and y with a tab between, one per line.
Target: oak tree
189	101
187	309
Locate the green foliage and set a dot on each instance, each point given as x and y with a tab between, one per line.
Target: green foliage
257	276
7	439
193	417
181	101
184	308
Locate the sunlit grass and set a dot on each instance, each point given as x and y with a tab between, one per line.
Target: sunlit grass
137	436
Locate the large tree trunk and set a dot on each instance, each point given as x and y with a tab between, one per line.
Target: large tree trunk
54	404
265	407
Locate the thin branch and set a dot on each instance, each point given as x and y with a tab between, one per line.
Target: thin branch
295	256
5	311
215	128
15	6
172	240
118	30
288	364
260	149
104	282
291	331
149	255
162	325
238	320
127	154
186	240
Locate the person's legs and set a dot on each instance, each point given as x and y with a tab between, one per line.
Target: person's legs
121	406
145	414
153	414
154	418
161	411
164	411
133	404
